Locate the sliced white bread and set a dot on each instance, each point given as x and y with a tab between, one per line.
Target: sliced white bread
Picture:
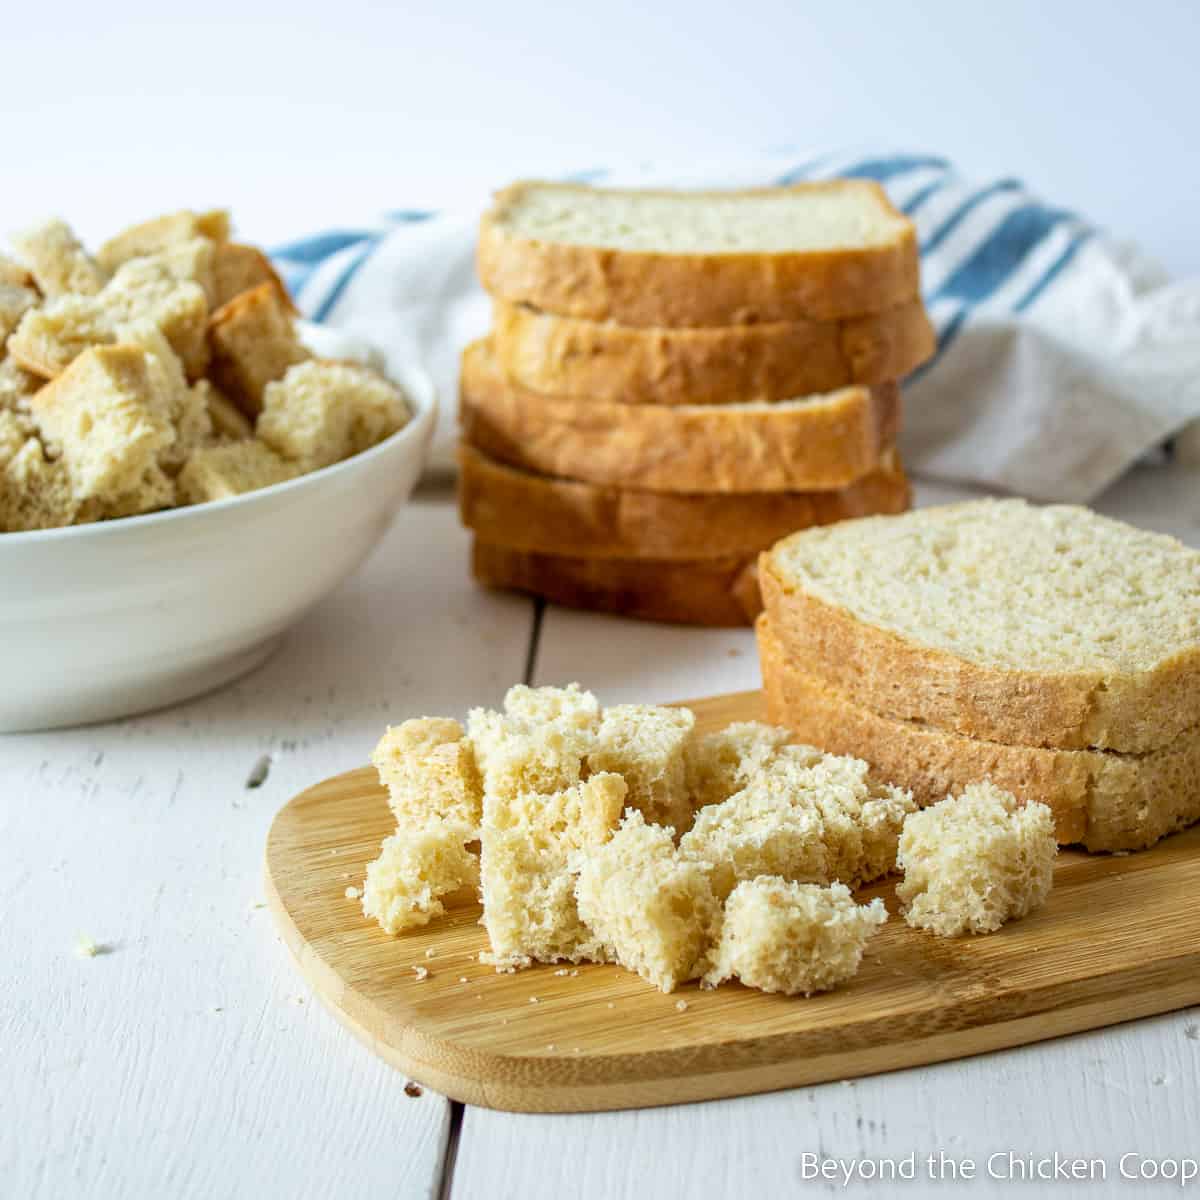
562	516
1101	799
821	441
824	250
999	620
716	591
729	364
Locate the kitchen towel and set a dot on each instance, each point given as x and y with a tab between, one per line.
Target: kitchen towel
1064	356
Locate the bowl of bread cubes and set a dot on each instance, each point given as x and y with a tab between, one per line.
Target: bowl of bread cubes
181	476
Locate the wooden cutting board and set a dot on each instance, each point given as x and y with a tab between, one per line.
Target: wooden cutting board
1119	938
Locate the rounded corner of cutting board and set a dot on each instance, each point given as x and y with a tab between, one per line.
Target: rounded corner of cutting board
604	1039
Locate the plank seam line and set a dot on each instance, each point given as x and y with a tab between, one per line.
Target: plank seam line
450	1157
535	638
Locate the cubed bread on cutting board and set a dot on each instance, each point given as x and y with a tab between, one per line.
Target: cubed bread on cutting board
706	591
1104	800
766	360
999	620
822	441
515	508
816	250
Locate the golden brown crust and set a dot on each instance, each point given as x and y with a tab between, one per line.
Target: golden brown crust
560	516
1102	799
779	360
716	592
652	289
909	681
238	268
826	443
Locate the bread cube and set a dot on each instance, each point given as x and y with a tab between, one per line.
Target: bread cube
581	815
428	768
238	269
529	907
972	863
35	492
163	233
48	339
527	883
795	938
417	866
15	302
652	909
58	261
15	430
539	743
721	763
105	414
155	490
231	469
805	816
570	706
227	420
192	261
758	832
646	744
16	386
322	412
253	343
148	288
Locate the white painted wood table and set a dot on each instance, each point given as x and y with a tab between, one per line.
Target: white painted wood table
188	1058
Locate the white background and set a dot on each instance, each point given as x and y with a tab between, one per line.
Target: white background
300	114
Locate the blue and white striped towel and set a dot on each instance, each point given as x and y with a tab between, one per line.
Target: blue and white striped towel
1063	357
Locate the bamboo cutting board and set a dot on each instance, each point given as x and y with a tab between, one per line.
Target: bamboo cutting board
1119	938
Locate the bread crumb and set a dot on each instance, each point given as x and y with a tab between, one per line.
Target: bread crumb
550	1046
430	952
412	1089
86	947
1192	1032
681	1006
1161	1080
610	1005
298	999
422	973
352	893
216	1008
561	971
533	999
463	979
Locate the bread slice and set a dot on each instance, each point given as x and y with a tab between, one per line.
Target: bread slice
824	441
716	591
825	250
765	361
561	516
1102	799
999	620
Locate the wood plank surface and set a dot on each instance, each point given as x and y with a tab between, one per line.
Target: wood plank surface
549	1040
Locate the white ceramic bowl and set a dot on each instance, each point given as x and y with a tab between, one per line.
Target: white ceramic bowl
99	621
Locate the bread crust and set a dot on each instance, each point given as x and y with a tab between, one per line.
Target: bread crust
827	443
716	592
909	681
652	289
1101	799
766	361
560	516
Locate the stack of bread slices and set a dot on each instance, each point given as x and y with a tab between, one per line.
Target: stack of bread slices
675	380
1050	650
